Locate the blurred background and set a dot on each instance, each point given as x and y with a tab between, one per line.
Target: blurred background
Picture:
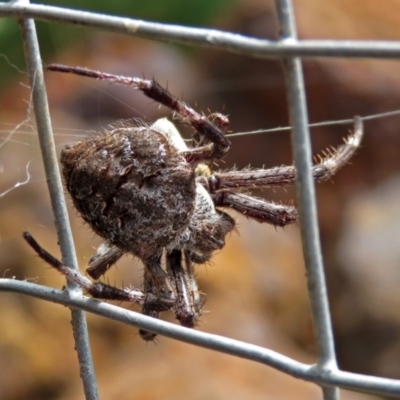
256	287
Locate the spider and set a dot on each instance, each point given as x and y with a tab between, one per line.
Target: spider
145	192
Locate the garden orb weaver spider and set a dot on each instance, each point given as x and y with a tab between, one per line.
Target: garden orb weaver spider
145	192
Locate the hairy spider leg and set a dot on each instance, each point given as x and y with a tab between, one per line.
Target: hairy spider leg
149	289
198	298
219	145
257	209
105	257
100	290
159	278
184	307
285	175
188	304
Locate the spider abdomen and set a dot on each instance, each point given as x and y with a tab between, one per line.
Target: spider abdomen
133	188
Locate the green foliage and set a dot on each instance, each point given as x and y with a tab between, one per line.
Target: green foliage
189	12
57	36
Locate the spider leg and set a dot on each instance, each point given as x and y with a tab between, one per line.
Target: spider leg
285	175
105	257
185	309
156	285
149	289
100	290
198	298
257	209
158	276
219	143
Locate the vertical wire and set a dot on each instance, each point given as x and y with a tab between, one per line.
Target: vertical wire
306	198
40	106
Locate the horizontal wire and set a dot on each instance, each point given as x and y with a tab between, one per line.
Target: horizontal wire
211	38
311	373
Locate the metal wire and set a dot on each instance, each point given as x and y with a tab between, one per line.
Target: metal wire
325	373
225	41
49	156
302	153
311	373
347	121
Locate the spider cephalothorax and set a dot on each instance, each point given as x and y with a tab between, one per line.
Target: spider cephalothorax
145	192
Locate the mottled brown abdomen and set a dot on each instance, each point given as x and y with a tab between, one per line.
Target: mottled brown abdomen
131	186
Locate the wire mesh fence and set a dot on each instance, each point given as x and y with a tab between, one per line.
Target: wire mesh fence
325	372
